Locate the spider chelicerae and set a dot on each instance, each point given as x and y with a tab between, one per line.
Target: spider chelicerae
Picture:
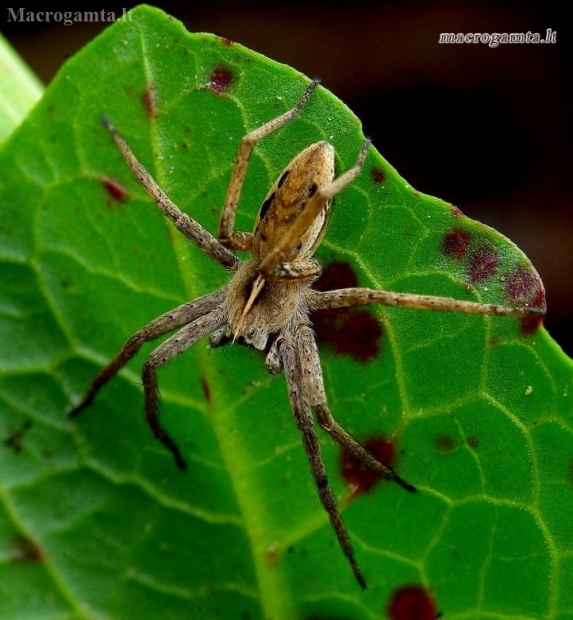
267	302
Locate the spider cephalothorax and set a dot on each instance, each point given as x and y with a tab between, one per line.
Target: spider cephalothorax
267	302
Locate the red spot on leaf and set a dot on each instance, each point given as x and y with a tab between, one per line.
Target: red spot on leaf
411	603
456	243
483	264
24	549
378	176
359	478
530	324
473	442
220	80
445	443
206	389
226	41
149	100
523	287
116	190
336	275
456	211
350	331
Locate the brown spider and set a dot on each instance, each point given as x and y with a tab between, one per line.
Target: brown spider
267	303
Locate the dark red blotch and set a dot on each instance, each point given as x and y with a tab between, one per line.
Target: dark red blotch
412	602
482	264
456	243
445	443
473	442
148	98
115	190
350	331
24	549
221	80
523	287
378	176
206	389
336	275
359	478
530	324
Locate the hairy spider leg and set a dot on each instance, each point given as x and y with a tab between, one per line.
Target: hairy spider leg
182	340
231	238
291	363
200	236
311	372
307	216
187	313
351	297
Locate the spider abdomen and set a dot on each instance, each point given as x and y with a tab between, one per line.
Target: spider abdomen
298	182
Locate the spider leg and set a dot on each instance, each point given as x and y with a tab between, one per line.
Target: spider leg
293	373
307	216
201	237
228	236
314	388
349	297
180	341
183	314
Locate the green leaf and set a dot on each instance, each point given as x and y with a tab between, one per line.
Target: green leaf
20	89
96	521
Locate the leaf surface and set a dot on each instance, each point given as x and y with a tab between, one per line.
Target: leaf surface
96	521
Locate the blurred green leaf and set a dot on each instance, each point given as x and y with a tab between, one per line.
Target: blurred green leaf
20	89
95	520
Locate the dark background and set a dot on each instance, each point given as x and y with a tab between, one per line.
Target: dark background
488	129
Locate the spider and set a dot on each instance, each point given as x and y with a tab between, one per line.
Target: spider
267	302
